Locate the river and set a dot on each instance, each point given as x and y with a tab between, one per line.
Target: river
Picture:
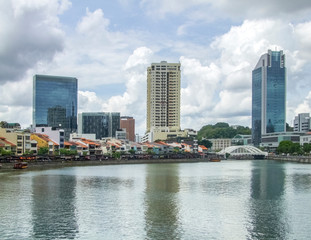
226	200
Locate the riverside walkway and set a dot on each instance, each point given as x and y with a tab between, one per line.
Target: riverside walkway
299	159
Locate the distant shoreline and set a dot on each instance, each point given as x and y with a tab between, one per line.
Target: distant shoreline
35	165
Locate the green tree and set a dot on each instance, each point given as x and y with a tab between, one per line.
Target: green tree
289	128
295	148
4	152
131	151
43	151
3	124
67	152
176	150
221	125
205	143
28	153
150	151
221	130
306	148
116	155
284	147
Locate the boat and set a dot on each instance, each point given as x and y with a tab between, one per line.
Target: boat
215	160
20	165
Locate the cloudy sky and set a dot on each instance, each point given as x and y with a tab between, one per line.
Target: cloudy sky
108	45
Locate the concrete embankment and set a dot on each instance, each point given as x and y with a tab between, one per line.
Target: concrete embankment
41	165
298	159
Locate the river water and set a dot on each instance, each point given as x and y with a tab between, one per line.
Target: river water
226	200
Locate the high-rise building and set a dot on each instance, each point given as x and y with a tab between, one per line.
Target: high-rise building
302	122
103	124
128	123
268	95
163	102
55	102
163	99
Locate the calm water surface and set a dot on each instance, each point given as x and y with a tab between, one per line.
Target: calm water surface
226	200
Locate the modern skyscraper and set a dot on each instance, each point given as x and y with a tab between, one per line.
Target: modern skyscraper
268	95
103	124
128	123
55	102
163	95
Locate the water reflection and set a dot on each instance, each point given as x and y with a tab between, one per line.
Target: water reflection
230	200
267	207
53	209
301	182
15	213
161	207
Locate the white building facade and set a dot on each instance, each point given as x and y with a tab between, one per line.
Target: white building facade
302	122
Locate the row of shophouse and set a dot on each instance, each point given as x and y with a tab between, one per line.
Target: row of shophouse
20	142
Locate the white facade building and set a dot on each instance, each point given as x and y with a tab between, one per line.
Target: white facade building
57	135
302	122
220	143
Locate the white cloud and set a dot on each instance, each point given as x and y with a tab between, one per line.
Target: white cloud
305	106
216	78
207	9
201	84
93	53
141	56
162	7
133	101
89	102
92	22
30	33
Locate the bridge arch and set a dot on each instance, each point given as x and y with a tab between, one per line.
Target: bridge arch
243	150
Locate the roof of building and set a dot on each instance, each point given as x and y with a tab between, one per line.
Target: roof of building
89	142
203	147
4	142
46	138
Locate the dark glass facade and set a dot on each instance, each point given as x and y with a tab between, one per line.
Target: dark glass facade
102	124
268	95
256	106
55	102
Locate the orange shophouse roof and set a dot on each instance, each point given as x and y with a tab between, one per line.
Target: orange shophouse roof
4	141
203	147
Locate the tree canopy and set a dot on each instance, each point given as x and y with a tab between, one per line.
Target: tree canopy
205	143
43	151
222	130
288	147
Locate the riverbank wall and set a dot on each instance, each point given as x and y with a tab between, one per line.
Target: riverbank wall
41	165
298	159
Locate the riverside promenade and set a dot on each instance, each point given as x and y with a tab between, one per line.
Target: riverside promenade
41	165
298	159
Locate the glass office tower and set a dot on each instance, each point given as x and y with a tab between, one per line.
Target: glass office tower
102	124
55	102
268	95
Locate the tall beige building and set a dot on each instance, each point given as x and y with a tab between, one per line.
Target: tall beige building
163	100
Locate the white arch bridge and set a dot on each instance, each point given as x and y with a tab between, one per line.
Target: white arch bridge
243	150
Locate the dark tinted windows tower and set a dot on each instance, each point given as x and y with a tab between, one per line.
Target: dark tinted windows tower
55	102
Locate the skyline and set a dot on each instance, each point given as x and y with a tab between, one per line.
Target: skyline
108	46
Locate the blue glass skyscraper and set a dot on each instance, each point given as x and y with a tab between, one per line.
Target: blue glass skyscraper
55	102
268	95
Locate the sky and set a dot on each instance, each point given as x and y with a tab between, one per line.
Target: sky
108	46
